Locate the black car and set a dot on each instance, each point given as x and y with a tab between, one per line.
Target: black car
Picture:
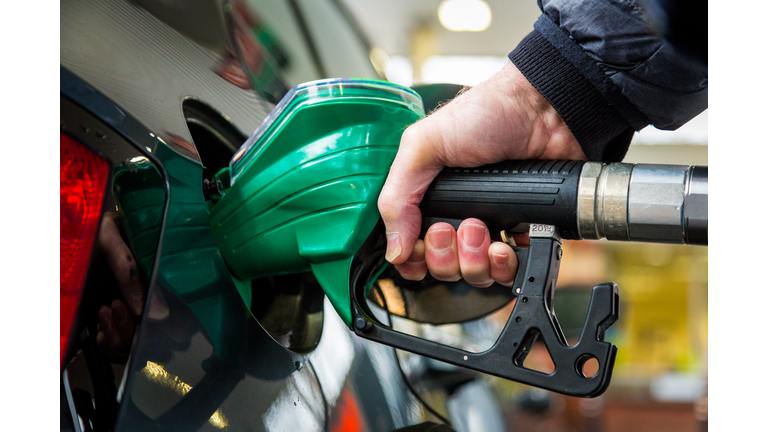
156	96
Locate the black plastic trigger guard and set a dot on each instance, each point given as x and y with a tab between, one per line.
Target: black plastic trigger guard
532	317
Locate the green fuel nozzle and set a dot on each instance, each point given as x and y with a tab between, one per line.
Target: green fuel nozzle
304	186
303	194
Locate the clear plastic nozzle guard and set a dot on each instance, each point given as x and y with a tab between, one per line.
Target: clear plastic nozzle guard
317	92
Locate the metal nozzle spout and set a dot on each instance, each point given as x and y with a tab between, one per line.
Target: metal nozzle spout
643	202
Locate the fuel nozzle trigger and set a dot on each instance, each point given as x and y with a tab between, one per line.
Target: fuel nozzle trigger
532	317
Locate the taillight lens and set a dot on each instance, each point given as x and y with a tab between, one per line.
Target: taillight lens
83	184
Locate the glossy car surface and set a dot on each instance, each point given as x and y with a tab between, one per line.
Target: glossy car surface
166	92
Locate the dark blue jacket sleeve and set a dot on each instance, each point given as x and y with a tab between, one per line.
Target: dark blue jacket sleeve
608	69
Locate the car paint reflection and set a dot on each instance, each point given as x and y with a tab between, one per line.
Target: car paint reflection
156	373
332	359
148	68
213	360
298	407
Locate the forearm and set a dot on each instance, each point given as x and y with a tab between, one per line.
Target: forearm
605	70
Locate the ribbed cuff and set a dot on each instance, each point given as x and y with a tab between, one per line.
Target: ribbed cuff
602	133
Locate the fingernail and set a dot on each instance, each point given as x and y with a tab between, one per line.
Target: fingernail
473	235
394	246
500	260
138	303
158	309
440	239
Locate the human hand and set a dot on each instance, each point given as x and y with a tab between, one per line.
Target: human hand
503	118
118	321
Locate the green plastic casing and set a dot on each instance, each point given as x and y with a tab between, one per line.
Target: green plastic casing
304	186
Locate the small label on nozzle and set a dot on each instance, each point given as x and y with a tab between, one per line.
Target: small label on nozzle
541	230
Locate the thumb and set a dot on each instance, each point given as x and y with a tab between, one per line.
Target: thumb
412	171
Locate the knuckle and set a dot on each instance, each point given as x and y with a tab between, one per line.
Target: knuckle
416	136
413	276
445	276
411	133
412	271
481	284
387	207
504	280
476	274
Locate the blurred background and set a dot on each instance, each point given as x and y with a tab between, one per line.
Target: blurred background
660	377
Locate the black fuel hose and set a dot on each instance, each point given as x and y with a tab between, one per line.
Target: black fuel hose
584	200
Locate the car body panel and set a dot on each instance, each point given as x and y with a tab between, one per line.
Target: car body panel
199	360
135	59
206	365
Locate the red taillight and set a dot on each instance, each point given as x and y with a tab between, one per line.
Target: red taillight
83	183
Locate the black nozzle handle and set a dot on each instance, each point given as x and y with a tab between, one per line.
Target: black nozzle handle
509	195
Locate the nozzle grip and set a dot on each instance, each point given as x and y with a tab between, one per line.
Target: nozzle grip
531	318
509	195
